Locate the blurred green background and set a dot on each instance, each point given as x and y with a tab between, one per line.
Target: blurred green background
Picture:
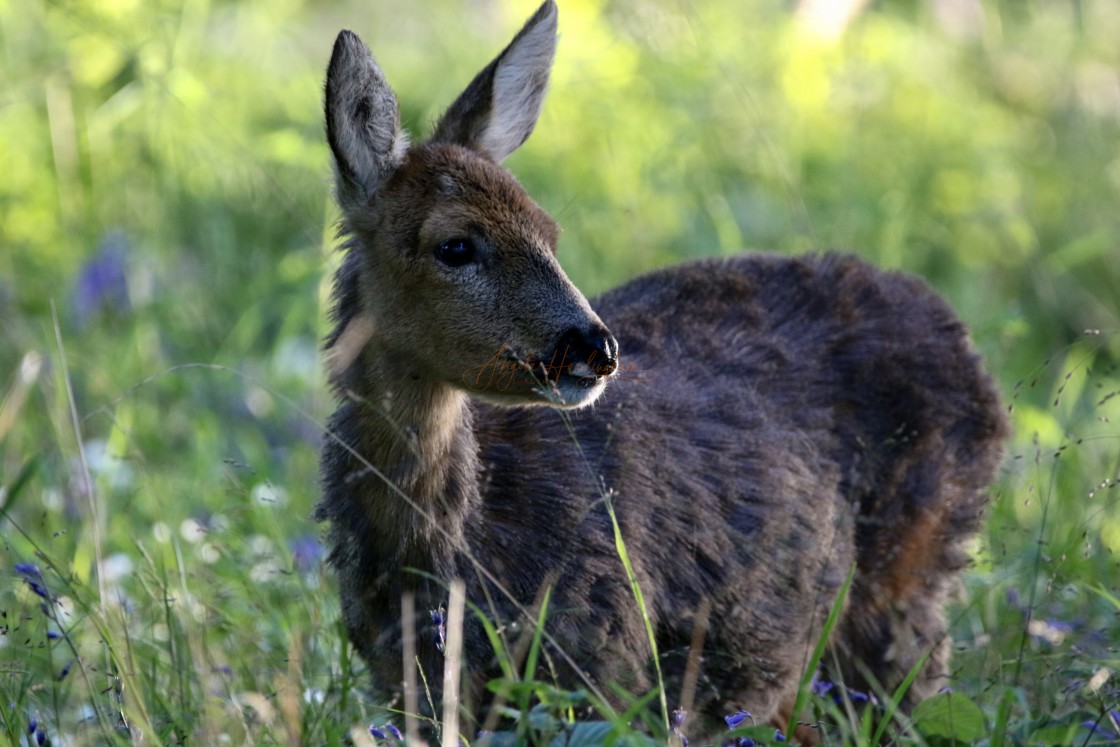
166	239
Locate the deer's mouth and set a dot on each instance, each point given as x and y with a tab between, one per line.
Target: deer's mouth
579	374
513	379
564	384
570	391
573	385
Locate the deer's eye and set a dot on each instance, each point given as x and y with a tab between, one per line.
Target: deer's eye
456	252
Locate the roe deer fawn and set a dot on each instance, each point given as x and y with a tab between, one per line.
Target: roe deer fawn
801	417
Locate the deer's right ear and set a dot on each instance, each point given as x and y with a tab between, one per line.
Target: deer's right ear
363	123
499	109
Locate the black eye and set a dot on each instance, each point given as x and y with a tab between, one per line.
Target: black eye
455	252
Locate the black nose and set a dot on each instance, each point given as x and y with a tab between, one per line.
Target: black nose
593	346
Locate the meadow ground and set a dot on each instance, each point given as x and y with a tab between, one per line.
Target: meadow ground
166	233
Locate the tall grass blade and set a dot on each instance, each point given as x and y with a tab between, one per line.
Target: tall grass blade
620	546
818	650
453	663
9	493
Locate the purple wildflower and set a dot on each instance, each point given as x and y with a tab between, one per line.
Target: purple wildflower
440	634
53	635
738	742
376	733
395	732
306	552
38	588
1060	625
40	737
858	697
820	687
65	670
28	569
33	578
102	281
1097	729
778	736
32	725
677	721
735	719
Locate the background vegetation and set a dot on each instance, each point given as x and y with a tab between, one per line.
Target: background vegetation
166	234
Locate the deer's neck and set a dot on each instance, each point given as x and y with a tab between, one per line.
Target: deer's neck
414	480
424	449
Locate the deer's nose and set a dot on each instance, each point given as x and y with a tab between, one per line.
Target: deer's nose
590	351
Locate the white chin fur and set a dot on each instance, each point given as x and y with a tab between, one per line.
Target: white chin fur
577	386
566	395
582	369
570	395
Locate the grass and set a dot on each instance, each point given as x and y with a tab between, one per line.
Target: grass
166	231
205	631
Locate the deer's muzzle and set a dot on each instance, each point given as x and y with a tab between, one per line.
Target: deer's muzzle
590	353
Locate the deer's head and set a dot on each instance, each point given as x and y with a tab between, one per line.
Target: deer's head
459	283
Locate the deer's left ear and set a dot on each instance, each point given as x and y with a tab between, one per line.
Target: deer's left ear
363	123
498	110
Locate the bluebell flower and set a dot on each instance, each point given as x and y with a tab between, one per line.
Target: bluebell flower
32	725
820	687
858	697
28	569
677	721
1097	728
778	736
733	742
102	282
440	633
53	635
735	719
395	732
306	552
33	578
40	737
39	589
376	733
1061	626
66	670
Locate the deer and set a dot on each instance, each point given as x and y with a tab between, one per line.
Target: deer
768	430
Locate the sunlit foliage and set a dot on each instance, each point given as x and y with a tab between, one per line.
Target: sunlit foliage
166	232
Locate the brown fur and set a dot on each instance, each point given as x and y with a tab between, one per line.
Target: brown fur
772	421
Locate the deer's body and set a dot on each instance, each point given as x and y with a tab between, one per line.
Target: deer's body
771	422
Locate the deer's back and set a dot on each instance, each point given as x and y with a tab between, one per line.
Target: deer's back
774	421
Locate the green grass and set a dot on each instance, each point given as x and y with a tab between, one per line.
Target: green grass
166	234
